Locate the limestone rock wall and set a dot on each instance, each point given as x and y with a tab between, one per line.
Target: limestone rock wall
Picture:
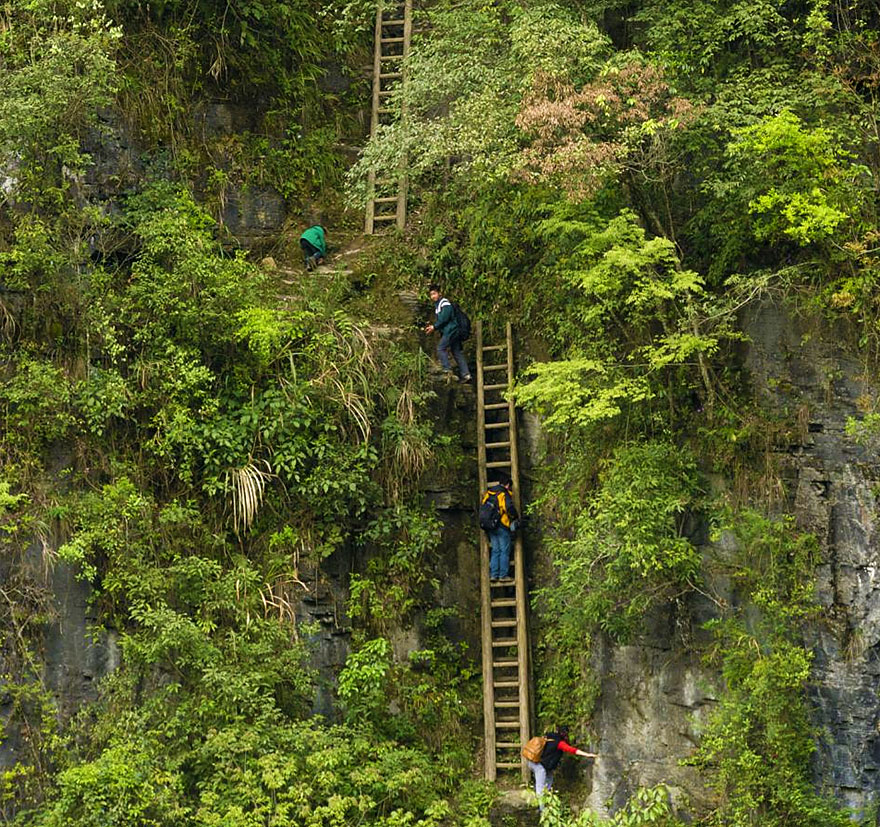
655	695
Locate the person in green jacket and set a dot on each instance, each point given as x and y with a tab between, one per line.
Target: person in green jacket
314	246
450	340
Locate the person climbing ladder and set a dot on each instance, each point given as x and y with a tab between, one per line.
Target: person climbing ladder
447	324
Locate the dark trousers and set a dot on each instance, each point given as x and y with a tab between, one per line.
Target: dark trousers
447	344
309	249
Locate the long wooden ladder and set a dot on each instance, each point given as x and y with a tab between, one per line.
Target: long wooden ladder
386	196
506	680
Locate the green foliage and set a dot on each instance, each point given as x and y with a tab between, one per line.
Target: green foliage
629	552
394	578
630	286
58	68
362	684
800	183
649	806
121	787
36	399
474	68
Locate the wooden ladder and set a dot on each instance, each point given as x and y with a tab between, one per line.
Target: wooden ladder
386	197
506	681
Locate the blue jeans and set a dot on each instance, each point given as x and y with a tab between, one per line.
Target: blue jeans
543	780
500	541
454	344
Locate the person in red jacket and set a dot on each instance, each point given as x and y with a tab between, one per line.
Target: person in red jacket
557	744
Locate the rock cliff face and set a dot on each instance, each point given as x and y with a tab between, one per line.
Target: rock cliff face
831	483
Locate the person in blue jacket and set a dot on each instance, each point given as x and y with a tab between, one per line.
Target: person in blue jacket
447	325
314	246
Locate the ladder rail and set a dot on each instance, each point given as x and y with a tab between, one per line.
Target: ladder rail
372	217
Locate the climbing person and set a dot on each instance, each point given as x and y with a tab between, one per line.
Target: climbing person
314	246
498	518
556	743
447	324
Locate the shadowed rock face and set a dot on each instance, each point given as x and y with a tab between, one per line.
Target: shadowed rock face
831	483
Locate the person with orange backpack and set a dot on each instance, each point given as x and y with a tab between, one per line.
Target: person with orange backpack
499	519
544	765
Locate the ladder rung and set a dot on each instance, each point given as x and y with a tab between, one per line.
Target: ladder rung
504	624
497	445
495	406
494	347
496	464
507	745
390	57
385	199
505	663
384	217
505	642
506	724
503	603
385	75
501	366
392	40
491	425
505	684
384	93
495	387
384	110
506	704
506	765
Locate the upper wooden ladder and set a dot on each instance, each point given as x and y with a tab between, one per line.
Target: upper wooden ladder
506	680
386	196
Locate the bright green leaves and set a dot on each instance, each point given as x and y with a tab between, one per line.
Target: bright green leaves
800	182
579	392
640	317
125	786
35	403
648	807
362	683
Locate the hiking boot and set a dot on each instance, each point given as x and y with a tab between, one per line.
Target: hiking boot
465	379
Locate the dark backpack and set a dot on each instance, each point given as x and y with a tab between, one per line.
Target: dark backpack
462	321
490	511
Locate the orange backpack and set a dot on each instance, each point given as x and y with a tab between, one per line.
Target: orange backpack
534	748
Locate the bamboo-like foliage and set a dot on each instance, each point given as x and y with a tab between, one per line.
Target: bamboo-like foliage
410	452
7	323
247	486
344	372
